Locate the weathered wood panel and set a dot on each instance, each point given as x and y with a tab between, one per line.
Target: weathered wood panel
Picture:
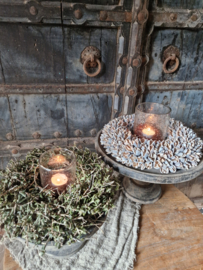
186	105
95	2
87	112
6	124
31	54
76	40
38	113
47	114
190	45
189	4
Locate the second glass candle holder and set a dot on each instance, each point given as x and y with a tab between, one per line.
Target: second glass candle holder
151	121
57	169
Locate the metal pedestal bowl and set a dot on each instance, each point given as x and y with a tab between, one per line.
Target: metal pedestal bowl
144	186
66	250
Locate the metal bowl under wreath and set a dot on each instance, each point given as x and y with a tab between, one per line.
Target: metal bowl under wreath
66	250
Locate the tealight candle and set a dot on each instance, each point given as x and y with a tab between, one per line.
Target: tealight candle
148	132
57	169
59	179
151	121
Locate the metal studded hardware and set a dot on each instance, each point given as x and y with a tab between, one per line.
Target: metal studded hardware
170	57
36	135
90	59
9	136
78	133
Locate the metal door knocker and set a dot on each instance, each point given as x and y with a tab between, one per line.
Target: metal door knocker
171	59
90	59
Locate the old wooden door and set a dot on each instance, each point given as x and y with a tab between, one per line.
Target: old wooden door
47	98
175	27
45	95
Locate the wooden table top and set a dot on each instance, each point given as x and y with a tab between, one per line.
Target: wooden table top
170	236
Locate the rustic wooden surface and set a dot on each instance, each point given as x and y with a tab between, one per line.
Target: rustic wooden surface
171	234
170	237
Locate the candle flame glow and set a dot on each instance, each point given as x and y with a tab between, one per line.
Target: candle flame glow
59	179
148	131
59	159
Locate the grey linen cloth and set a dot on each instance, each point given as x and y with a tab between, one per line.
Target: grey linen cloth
112	247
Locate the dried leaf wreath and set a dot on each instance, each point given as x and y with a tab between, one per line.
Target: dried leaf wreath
182	149
36	214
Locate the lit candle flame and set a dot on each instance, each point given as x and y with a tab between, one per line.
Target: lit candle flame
59	179
148	131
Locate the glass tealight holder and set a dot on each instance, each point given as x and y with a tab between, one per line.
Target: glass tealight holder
57	169
151	121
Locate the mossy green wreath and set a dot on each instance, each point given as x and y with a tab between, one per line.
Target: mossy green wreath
36	214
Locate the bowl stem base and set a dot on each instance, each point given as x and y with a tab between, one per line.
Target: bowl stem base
140	192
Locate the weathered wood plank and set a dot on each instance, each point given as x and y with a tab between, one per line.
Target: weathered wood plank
191	4
181	107
195	108
176	95
76	40
107	43
45	114
186	105
191	64
87	112
6	123
200	115
159	97
31	54
95	2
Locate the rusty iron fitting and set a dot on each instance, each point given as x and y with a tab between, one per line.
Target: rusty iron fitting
131	92
78	133
173	17
172	57
122	90
78	14
33	10
14	152
103	15
194	17
124	60
57	134
96	72
36	135
143	16
93	132
136	62
90	58
9	136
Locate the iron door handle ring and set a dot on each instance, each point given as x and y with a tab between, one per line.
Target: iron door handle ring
172	57
85	67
